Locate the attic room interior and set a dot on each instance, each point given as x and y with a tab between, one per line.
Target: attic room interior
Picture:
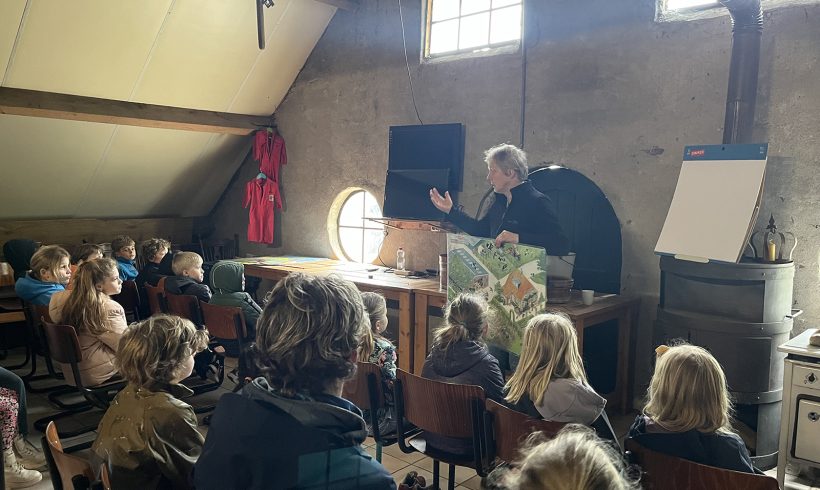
640	170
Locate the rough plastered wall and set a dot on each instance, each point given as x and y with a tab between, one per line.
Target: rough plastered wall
609	92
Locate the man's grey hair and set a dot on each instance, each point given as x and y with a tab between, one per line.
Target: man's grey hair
508	157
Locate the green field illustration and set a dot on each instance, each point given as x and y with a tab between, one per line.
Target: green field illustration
512	279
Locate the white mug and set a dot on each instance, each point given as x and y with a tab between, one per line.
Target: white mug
587	296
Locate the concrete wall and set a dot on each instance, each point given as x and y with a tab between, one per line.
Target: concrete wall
610	93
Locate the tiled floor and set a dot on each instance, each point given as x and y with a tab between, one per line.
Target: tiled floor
396	462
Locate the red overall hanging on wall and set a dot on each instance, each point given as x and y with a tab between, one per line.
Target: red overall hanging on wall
262	194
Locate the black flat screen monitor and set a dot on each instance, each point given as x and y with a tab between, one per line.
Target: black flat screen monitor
430	146
407	194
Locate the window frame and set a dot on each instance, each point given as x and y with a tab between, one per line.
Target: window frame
334	225
485	50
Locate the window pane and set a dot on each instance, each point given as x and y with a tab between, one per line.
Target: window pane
444	9
506	25
682	4
444	36
352	209
473	6
504	3
474	31
372	244
351	241
372	210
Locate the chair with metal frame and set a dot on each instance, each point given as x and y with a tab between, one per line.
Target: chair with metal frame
443	409
662	471
37	345
156	299
64	347
228	323
65	469
129	299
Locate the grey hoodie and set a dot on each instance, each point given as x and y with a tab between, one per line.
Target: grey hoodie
569	401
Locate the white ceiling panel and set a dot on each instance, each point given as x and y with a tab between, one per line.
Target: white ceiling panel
204	53
46	164
11	13
213	172
289	45
86	47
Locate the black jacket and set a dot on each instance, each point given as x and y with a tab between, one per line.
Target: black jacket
530	215
720	449
186	285
468	363
259	439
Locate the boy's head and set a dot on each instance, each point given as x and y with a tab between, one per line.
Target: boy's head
228	276
154	249
51	264
188	264
86	252
159	350
309	332
123	246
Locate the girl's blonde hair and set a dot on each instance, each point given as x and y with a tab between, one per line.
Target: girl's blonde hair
49	258
85	306
152	350
549	350
688	391
465	318
575	459
376	308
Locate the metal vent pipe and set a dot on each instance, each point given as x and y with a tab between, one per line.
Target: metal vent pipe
747	28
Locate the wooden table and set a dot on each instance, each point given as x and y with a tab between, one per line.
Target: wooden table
606	307
393	287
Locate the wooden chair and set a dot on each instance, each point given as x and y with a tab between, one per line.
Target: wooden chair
661	471
37	346
64	347
444	409
156	299
184	305
129	299
63	466
105	477
228	323
366	392
505	430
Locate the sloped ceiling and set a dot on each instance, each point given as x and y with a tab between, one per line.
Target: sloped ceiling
199	54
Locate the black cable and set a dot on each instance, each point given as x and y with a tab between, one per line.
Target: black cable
407	63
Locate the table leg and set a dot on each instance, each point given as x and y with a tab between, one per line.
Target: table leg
623	376
420	332
405	332
579	331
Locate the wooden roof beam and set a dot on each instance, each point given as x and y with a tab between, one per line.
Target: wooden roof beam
21	102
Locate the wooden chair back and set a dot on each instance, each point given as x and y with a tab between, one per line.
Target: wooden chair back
67	465
224	322
446	409
41	313
184	305
661	471
365	390
105	477
507	429
63	344
156	299
129	299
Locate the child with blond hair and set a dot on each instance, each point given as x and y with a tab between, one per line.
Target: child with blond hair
124	250
83	253
550	381
99	320
188	276
688	414
382	353
148	436
50	272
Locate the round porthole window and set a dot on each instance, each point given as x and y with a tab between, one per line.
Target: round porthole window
354	236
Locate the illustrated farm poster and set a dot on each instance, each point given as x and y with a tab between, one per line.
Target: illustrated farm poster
512	279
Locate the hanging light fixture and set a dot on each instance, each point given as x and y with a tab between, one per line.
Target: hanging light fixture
260	20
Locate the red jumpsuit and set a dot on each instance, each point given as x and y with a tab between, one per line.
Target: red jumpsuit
262	196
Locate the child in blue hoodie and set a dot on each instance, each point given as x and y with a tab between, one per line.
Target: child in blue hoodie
50	272
125	251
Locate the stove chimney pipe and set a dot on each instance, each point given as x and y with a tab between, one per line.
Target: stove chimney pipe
747	28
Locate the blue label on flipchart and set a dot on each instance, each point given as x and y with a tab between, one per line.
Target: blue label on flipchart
756	151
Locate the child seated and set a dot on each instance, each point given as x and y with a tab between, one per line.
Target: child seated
153	251
574	459
550	381
20	456
99	320
228	282
687	415
148	436
122	246
83	253
188	276
383	354
50	271
459	356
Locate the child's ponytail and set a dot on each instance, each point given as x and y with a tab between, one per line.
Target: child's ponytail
465	319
